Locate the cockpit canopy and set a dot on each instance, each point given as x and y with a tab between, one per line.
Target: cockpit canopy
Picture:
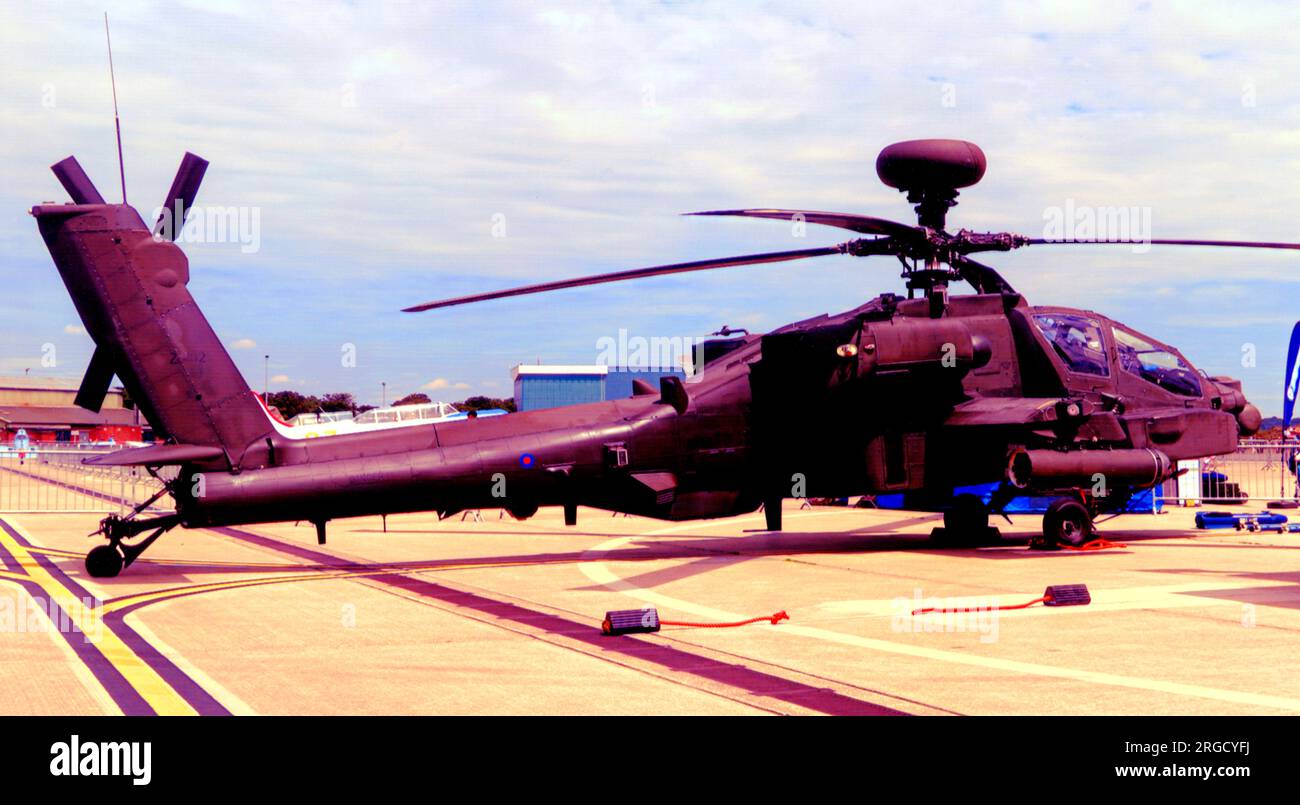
1094	346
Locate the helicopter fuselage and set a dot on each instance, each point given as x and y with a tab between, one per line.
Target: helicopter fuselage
879	399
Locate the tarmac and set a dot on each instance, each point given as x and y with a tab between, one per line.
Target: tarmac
481	614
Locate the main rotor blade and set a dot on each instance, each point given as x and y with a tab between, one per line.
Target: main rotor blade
633	274
865	224
1244	244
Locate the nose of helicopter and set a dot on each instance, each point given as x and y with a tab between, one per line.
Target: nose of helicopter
1234	401
1249	419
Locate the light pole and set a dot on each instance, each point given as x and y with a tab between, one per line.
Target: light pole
266	377
383	400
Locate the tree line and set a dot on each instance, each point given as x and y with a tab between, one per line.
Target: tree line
290	404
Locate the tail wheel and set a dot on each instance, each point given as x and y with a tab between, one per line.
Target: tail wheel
104	562
1067	522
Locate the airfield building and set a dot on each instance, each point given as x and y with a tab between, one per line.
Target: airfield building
552	385
43	408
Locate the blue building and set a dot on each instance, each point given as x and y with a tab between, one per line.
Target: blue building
550	386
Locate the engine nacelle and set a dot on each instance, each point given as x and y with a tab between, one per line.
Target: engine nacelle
903	343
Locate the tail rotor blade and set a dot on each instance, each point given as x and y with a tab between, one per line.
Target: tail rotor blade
94	386
74	180
184	189
635	273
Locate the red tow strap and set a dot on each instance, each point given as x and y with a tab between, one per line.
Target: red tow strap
958	610
773	619
1097	544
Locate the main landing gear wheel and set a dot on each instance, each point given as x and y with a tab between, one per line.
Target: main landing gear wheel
104	561
1067	522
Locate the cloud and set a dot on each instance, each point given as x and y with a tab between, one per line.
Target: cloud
244	343
279	378
439	383
538	144
74	329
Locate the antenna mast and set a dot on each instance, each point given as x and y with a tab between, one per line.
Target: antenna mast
117	122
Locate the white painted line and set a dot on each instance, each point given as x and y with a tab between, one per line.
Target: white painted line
1169	596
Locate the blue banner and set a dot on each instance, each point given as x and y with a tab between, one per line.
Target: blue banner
1291	383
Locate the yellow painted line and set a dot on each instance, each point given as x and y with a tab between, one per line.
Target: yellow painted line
320	575
79	669
174	592
55	552
146	681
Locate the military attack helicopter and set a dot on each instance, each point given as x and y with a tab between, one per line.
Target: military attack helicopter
922	394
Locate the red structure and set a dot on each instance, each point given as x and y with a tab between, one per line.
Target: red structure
43	409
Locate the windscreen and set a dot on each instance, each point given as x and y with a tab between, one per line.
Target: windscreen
1155	364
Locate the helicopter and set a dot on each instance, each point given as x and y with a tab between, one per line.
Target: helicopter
920	394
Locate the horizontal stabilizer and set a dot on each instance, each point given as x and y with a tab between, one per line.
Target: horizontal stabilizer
158	455
673	392
94	386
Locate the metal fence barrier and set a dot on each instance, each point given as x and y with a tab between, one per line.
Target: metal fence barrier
43	478
1259	472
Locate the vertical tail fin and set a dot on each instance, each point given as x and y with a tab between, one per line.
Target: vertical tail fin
129	288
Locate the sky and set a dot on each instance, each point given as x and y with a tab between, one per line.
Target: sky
387	154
